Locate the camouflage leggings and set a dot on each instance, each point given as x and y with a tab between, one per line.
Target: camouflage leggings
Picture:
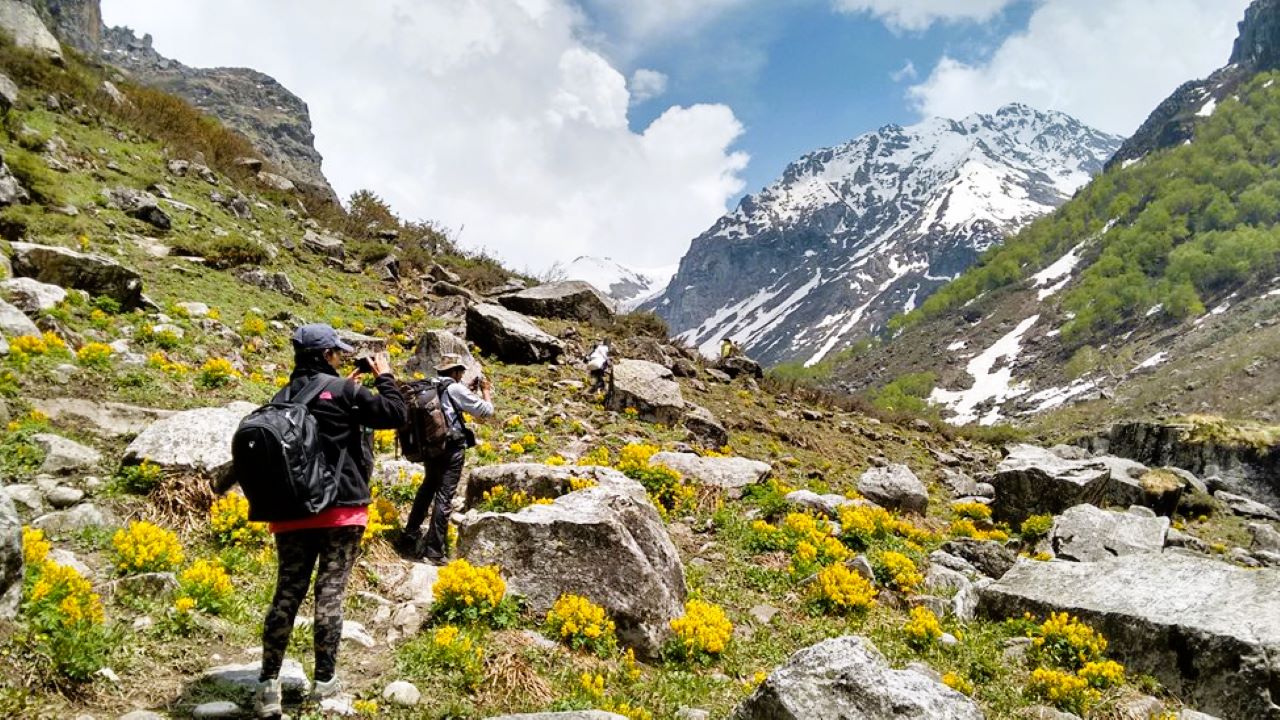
335	549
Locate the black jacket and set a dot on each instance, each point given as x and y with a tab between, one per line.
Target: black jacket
341	415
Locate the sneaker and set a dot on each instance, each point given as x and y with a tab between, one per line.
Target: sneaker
437	560
407	544
266	700
326	688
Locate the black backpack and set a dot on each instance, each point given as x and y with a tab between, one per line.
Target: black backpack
427	433
277	459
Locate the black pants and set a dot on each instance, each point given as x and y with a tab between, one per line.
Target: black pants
298	553
439	483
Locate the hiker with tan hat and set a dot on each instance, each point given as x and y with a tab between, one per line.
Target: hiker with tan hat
437	434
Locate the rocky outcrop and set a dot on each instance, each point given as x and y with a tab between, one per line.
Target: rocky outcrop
1086	534
32	296
434	345
273	281
740	365
192	440
23	24
847	677
649	388
606	543
108	419
14	322
95	274
894	487
565	300
10	557
510	336
1032	480
705	427
138	204
725	473
63	456
1243	468
1208	631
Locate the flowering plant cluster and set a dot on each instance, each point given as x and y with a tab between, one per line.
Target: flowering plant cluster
897	571
957	682
207	583
581	624
470	593
809	539
383	516
1035	527
972	510
922	628
63	612
1063	640
1073	672
451	649
384	441
173	368
216	372
229	519
500	499
966	528
839	591
95	355
144	547
665	486
702	633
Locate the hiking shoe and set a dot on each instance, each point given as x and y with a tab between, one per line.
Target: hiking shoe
437	560
266	700
407	544
326	688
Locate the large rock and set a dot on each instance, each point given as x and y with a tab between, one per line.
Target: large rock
847	678
14	322
1085	533
276	182
11	190
67	522
95	274
139	204
10	557
986	556
606	542
62	455
567	300
273	281
726	473
649	388
1246	507
895	487
1032	480
1207	630
705	427
565	715
108	419
23	24
510	336
736	365
434	345
243	679
32	296
323	244
193	440
8	94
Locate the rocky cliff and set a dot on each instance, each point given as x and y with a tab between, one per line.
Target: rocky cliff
273	118
851	235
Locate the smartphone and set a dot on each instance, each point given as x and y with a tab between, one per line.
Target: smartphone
364	364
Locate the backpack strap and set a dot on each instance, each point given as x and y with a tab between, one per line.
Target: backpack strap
310	391
442	387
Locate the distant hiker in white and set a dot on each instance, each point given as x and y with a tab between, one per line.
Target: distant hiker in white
598	366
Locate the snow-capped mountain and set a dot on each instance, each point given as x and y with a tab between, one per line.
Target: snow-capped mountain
628	286
851	235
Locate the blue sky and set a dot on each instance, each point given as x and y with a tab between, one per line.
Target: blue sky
800	76
541	130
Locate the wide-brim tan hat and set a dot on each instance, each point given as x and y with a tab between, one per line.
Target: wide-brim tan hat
450	362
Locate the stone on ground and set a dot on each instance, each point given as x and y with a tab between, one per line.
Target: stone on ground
726	473
67	522
649	389
1246	507
567	300
243	678
987	556
402	693
433	346
828	505
107	419
737	365
606	542
323	244
847	677
1207	630
1032	480
95	274
566	715
706	428
14	322
217	710
62	455
196	440
510	336
894	487
23	24
1085	533
1265	537
32	296
10	558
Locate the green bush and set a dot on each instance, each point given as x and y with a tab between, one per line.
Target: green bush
906	394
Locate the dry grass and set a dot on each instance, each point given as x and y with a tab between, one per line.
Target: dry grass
510	678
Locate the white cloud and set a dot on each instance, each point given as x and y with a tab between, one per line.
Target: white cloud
489	114
647	84
906	72
1107	62
639	21
920	14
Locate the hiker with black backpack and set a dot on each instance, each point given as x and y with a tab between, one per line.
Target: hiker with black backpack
437	435
304	461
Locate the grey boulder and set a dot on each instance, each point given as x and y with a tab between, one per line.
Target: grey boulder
323	244
565	715
1246	507
510	336
1085	533
95	274
1265	537
10	557
194	440
23	24
725	473
66	522
14	322
139	204
1032	480
649	388
847	677
243	678
566	300
894	487
32	296
606	542
108	419
434	345
704	426
986	556
828	505
62	456
273	281
1207	630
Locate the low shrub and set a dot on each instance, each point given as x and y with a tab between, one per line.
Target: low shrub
582	625
702	633
840	591
143	547
467	593
208	584
229	520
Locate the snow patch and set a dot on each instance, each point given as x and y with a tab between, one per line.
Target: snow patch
988	384
1152	361
958	345
1154	309
1054	397
1059	271
1208	108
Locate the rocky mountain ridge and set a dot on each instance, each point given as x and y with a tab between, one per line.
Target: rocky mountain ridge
851	235
626	286
274	119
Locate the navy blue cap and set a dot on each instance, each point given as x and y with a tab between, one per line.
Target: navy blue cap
318	336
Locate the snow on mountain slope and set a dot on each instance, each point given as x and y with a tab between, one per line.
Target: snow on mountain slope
851	235
629	287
